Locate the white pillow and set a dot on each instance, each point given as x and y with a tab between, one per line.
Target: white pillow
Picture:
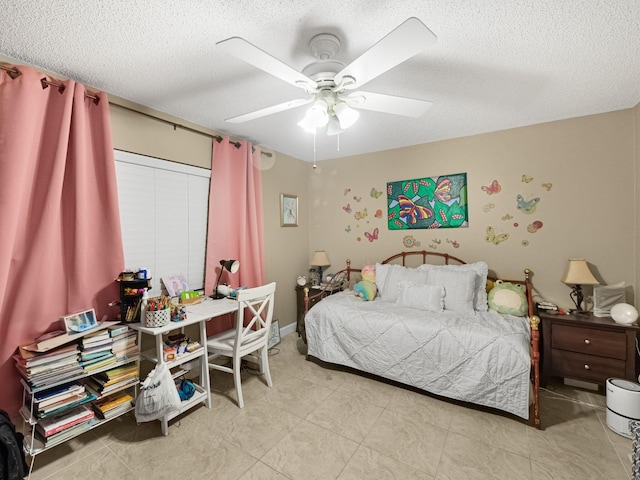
388	276
459	288
481	269
421	296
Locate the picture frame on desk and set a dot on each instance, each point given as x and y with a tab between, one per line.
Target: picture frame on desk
80	322
288	210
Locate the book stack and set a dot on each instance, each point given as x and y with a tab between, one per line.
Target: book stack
44	369
96	351
113	405
124	345
58	428
114	379
56	400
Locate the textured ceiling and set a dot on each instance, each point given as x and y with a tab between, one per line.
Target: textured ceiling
496	64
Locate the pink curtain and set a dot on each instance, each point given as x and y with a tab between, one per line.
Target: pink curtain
60	241
235	219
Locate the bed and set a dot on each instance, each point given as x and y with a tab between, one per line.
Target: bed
461	349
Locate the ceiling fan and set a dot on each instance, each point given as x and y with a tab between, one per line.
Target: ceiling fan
331	86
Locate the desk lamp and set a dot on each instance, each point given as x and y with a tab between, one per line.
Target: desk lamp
578	274
230	265
320	260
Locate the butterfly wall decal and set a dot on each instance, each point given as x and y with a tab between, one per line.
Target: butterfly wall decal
378	214
506	217
492	189
547	186
527	179
357	199
347	208
527	206
375	193
360	215
494	238
373	235
487	207
346	190
348	229
412	211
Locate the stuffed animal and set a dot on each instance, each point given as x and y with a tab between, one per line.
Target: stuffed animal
366	288
508	298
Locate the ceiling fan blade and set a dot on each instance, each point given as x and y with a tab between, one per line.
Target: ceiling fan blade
405	41
378	102
281	107
247	52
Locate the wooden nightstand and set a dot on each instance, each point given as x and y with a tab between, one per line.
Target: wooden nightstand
313	299
588	348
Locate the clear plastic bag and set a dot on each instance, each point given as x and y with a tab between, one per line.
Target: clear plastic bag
158	395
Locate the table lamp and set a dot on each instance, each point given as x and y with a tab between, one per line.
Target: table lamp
229	265
578	274
320	259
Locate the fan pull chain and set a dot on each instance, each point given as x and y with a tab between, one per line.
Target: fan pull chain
314	151
338	141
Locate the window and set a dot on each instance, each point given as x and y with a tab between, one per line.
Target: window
163	212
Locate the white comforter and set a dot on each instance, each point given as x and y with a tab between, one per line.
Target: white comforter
482	358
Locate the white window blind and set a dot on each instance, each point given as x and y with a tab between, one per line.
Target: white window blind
163	212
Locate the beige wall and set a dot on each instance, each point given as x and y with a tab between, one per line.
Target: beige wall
589	211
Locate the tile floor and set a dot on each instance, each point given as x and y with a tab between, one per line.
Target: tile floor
323	423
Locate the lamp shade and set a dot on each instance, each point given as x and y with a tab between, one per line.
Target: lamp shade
230	265
320	259
347	115
578	273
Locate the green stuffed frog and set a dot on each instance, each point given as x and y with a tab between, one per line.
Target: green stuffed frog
509	298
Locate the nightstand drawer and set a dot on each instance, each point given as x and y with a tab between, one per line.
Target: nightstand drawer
586	367
590	341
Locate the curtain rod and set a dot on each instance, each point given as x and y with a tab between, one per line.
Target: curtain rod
14	73
218	138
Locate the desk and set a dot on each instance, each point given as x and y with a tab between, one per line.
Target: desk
200	314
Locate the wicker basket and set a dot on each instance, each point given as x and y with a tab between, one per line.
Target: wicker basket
158	318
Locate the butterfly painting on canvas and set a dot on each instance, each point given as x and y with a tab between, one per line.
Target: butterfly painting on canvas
428	203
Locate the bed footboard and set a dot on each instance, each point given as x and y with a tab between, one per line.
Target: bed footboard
534	322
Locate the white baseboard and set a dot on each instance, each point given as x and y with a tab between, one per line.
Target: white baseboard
288	329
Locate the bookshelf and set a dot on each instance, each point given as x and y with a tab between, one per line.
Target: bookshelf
90	392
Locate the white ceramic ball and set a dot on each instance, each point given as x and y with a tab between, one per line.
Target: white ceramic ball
624	313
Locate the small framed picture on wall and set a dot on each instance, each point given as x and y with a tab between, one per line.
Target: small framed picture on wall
288	210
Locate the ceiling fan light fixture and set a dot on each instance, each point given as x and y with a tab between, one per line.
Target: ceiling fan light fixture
334	128
317	114
316	117
346	115
307	126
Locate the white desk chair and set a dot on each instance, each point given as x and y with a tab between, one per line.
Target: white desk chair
243	340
